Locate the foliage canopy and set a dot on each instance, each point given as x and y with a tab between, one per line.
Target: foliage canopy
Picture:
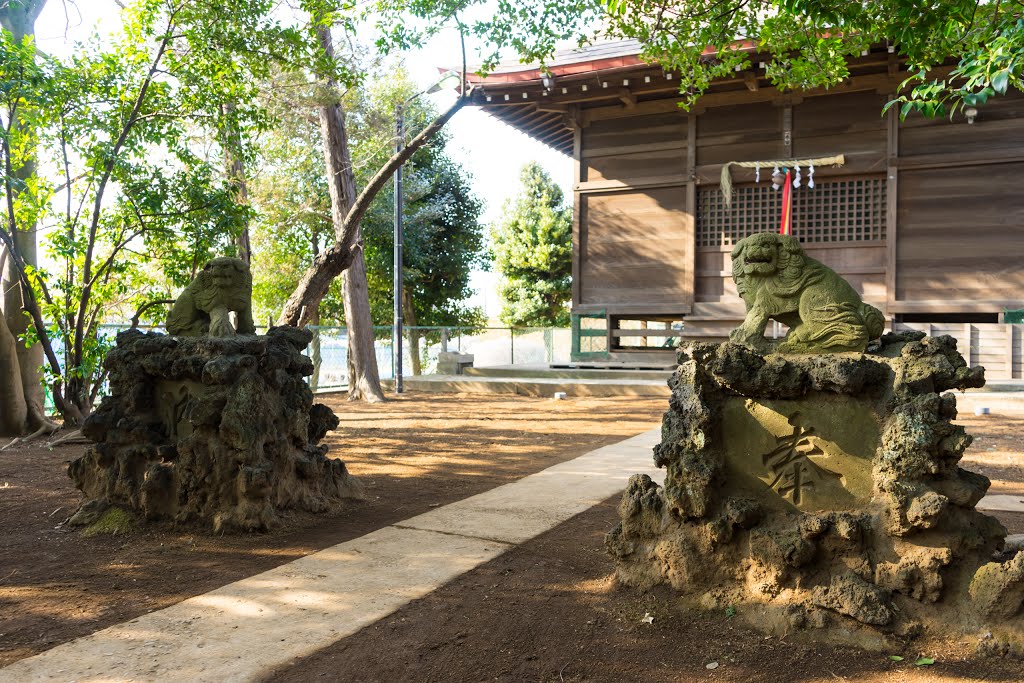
533	253
809	42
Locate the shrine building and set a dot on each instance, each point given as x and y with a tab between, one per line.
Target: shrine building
925	217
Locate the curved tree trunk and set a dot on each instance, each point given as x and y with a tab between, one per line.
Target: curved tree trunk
14	415
347	211
234	167
343	256
363	376
19	17
333	261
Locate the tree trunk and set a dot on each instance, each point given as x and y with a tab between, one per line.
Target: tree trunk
315	351
315	354
19	17
363	376
235	169
14	415
414	335
347	211
332	262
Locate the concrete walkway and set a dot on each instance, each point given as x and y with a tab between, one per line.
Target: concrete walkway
242	631
997	502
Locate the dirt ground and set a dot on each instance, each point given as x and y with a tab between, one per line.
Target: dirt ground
412	454
549	611
545	611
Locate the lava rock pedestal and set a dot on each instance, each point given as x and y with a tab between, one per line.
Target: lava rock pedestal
823	491
220	431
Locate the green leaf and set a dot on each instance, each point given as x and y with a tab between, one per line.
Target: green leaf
730	611
924	661
896	658
1000	81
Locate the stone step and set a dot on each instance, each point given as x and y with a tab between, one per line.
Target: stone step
576	371
534	386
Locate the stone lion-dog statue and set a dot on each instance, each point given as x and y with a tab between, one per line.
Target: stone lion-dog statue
777	280
223	286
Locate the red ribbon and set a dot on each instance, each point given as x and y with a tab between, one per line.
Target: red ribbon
786	224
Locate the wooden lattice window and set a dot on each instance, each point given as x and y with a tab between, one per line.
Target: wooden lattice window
833	211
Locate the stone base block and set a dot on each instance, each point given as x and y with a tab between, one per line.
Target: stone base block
217	431
823	492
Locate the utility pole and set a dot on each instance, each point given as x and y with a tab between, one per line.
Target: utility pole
396	333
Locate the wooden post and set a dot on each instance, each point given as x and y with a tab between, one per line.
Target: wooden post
891	204
1009	351
691	199
577	202
968	353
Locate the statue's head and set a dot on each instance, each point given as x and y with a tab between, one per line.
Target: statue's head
765	254
226	282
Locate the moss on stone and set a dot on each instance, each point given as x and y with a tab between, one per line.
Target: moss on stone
114	522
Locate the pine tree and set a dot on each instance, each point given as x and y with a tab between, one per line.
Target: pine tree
533	253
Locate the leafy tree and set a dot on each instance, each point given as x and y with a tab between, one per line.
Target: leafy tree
20	390
442	243
809	41
120	124
291	203
533	253
443	238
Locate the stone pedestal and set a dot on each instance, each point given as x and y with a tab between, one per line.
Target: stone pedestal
218	431
452	363
823	491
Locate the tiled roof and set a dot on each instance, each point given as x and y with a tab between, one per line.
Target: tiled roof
607	49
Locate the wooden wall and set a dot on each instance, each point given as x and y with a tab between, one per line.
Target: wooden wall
641	251
960	223
954	240
634	247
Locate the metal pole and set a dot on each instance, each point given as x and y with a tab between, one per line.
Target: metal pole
396	344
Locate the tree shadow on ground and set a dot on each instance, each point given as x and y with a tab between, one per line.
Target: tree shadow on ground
57	584
549	610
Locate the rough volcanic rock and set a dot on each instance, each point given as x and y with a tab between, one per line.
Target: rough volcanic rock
217	431
824	491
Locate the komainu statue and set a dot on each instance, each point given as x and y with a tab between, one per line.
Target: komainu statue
778	280
224	285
